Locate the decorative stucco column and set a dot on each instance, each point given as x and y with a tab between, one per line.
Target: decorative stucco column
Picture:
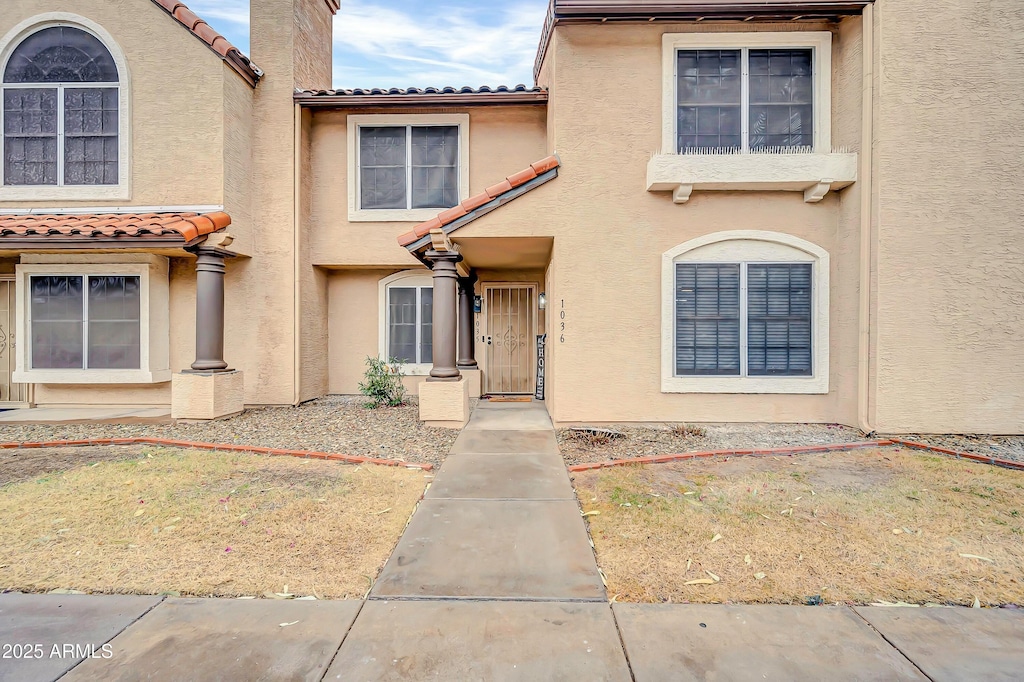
209	310
467	337
445	320
210	389
444	396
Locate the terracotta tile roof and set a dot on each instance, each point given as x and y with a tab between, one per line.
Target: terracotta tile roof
479	203
216	42
175	227
501	94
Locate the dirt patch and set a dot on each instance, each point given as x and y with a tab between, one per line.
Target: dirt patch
205	524
28	463
852	527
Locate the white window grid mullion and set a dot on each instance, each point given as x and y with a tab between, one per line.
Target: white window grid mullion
85	321
408	177
419	326
745	99
60	135
743	319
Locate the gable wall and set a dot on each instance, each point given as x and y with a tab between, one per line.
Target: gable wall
177	104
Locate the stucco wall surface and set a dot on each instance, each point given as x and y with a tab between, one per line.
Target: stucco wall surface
610	234
950	252
503	140
177	101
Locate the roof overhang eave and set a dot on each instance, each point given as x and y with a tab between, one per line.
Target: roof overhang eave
589	11
420	246
433	100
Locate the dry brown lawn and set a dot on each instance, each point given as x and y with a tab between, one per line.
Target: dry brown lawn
857	527
206	524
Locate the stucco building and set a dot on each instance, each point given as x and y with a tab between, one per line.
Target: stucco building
705	210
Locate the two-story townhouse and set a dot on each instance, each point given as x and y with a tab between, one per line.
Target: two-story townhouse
705	210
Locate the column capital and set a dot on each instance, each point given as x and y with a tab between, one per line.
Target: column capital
437	257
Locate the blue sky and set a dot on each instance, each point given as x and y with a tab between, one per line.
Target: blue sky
403	43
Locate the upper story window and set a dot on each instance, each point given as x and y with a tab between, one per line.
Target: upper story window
745	100
60	111
406	167
756	92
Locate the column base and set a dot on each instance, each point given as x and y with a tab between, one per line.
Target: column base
207	396
474	377
445	404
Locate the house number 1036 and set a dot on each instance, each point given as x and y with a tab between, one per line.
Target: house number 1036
561	321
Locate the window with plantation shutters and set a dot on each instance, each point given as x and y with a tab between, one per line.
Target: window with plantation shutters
779	319
707	319
743	319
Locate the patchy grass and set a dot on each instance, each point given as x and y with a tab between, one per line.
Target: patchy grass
856	527
206	524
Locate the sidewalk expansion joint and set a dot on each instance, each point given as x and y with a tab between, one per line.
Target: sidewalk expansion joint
118	633
892	644
545	600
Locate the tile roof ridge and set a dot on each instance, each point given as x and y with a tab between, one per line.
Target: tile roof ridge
470	204
200	28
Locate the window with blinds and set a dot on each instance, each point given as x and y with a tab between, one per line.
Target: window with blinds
743	319
745	100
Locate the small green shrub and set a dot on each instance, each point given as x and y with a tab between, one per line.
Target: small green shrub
383	385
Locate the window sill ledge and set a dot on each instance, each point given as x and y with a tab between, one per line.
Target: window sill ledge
91	376
795	385
813	174
68	193
394	215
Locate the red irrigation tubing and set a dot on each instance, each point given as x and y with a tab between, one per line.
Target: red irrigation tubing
1008	464
994	461
144	440
760	452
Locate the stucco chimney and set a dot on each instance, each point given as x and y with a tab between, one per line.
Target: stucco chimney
291	40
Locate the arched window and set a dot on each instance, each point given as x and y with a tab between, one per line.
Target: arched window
745	312
406	315
61	111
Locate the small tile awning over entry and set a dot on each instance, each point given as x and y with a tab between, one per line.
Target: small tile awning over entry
109	230
483	203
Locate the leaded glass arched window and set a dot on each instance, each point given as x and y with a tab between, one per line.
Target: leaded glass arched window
61	112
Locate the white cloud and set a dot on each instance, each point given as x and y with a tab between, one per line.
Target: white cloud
439	43
440	47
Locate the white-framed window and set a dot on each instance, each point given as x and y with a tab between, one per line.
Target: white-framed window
406	314
406	167
93	319
745	312
757	92
63	111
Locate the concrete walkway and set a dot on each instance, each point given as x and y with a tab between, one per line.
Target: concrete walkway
495	579
85	415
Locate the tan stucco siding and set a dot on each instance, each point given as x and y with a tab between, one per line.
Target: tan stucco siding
238	168
177	102
610	234
502	141
354	321
950	252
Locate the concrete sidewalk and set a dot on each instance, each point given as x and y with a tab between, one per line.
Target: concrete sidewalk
495	579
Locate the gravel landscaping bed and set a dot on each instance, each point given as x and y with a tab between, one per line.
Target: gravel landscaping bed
1000	447
336	424
665	439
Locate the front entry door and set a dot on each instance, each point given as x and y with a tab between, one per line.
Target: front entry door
510	316
9	391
